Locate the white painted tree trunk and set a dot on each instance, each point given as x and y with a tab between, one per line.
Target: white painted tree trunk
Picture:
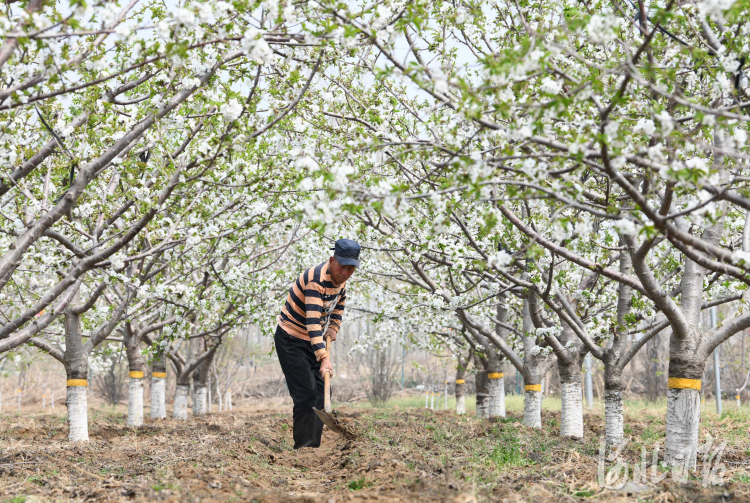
78	420
199	400
683	420
135	402
571	417
532	409
613	417
218	395
229	400
482	406
496	399
461	405
208	388
181	401
158	398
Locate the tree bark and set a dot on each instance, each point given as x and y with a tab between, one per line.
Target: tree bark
136	367
686	365
571	393
76	363
159	387
461	385
200	385
78	426
482	386
181	401
532	407
495	367
532	398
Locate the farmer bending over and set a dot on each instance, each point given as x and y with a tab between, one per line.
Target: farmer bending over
313	308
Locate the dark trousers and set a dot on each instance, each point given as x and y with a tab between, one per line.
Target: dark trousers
302	373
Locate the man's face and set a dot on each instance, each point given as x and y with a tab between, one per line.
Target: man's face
339	273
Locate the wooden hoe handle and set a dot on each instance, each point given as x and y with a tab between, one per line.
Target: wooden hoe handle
327	381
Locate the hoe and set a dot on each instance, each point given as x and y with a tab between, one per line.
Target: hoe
327	415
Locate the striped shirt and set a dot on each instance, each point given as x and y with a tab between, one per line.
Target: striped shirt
313	306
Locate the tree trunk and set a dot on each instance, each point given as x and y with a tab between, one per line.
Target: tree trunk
200	397
532	406
495	385
135	399
571	393
488	397
571	396
482	385
532	400
78	427
181	401
76	369
683	420
200	385
686	364
496	390
135	366
159	388
495	366
460	399
461	387
613	416
613	362
613	412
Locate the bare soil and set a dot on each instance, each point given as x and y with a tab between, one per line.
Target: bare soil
414	455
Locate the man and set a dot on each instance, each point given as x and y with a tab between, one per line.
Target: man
313	308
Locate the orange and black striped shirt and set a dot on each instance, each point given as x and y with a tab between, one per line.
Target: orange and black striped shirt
313	306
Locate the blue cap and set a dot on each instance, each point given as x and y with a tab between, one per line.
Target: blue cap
347	252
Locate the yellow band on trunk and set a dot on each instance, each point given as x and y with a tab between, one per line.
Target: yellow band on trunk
495	375
77	382
533	387
682	383
136	374
159	374
460	381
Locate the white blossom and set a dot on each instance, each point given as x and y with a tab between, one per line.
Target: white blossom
601	28
184	17
550	86
646	126
231	110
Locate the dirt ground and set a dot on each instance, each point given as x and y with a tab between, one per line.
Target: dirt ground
400	456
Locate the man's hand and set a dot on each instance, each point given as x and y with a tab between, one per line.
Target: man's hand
325	365
331	334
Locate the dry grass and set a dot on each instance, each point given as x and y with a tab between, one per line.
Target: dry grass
403	454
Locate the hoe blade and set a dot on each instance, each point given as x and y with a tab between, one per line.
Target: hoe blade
328	421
